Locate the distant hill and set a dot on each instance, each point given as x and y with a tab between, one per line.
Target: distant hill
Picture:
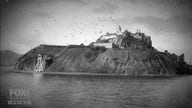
8	57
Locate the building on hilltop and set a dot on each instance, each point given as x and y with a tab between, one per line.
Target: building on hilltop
124	39
106	45
142	36
139	35
113	39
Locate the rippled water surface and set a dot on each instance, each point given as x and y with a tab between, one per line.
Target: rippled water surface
62	91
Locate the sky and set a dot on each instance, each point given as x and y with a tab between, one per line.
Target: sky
25	24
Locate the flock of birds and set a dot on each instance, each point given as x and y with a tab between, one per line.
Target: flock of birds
80	28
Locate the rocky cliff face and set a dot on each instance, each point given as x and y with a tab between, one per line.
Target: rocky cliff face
101	60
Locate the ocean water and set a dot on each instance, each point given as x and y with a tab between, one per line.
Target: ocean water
86	91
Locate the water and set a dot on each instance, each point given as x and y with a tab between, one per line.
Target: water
61	91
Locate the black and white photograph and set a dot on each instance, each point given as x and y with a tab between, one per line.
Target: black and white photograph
96	54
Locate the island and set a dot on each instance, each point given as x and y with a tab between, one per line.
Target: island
122	52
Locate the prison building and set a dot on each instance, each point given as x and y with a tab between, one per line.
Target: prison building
106	45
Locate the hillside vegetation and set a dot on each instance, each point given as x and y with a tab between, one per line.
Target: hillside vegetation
101	60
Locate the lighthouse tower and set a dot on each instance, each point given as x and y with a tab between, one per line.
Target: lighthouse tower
119	32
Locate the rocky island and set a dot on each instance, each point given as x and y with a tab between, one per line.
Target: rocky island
113	53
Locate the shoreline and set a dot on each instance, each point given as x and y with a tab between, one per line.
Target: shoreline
93	74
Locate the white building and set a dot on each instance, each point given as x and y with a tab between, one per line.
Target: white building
108	36
106	45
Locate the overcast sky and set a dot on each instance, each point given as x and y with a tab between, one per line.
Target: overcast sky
27	23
